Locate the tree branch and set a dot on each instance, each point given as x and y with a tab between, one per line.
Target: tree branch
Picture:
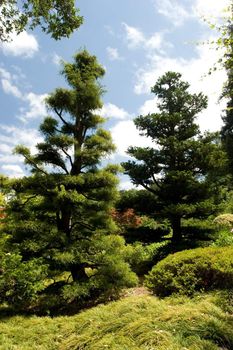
155	181
33	163
91	228
60	116
68	156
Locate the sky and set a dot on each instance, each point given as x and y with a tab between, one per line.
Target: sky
136	41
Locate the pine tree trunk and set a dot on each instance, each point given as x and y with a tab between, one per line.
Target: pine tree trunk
78	273
176	228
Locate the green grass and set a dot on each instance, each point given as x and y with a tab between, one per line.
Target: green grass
134	323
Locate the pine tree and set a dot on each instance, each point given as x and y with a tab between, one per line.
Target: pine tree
61	213
175	170
227	129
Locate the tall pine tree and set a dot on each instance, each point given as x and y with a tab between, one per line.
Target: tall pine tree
61	213
175	170
227	129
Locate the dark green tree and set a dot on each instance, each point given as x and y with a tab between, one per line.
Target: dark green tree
59	18
226	41
176	169
61	213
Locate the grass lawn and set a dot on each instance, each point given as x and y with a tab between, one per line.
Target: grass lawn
134	323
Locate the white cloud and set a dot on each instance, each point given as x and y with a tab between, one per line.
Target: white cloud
10	136
125	134
4	148
155	41
210	8
35	102
113	54
149	106
36	109
195	71
109	110
134	36
136	39
23	44
13	171
171	9
126	185
11	89
4	74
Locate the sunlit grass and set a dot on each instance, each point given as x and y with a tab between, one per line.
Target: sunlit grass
134	323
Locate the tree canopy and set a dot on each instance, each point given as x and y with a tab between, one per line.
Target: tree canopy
60	215
175	170
226	41
59	18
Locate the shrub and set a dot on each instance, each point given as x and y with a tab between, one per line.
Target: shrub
188	271
148	231
111	273
224	220
224	239
20	282
142	257
198	230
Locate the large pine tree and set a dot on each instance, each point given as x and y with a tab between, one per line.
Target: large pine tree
227	129
175	169
61	213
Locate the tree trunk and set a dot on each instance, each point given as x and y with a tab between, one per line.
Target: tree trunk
176	228
78	273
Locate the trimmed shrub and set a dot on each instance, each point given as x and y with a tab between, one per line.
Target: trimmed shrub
224	221
198	229
194	270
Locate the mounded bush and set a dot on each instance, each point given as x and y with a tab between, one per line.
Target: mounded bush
188	271
224	221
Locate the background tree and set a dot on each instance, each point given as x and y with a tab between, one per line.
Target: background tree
226	41
61	213
175	170
59	18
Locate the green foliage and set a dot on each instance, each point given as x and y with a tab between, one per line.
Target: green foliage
55	17
141	201
226	42
143	256
20	281
148	231
135	323
62	212
2	200
109	274
199	230
224	239
177	169
189	271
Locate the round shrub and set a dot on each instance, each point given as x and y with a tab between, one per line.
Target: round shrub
224	220
188	271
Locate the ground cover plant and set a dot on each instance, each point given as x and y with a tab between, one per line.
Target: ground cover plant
139	323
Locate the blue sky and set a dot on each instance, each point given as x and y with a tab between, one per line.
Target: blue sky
136	41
